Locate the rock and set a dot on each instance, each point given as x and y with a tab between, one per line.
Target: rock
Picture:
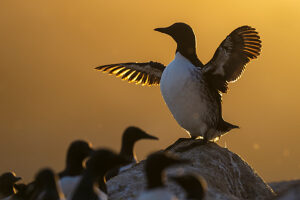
287	190
226	174
281	186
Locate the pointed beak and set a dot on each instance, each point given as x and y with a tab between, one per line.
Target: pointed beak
16	179
150	137
162	30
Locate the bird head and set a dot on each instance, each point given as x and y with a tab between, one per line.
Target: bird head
183	35
78	151
155	166
103	160
9	178
133	134
193	184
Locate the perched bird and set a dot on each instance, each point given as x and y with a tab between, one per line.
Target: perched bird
7	181
192	90
97	166
77	152
46	187
194	186
130	136
155	166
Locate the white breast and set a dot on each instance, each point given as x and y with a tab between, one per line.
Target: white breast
187	96
101	195
156	194
68	184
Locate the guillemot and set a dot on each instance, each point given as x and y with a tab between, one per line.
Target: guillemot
194	186
192	90
97	166
77	152
7	182
155	166
46	186
130	136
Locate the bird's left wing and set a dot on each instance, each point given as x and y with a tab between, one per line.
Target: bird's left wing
231	57
148	73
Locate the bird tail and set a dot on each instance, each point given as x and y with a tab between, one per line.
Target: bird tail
226	126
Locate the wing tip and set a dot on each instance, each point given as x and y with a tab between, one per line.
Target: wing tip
131	75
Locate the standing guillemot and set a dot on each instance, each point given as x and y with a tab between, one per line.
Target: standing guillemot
194	186
97	166
46	186
77	152
155	166
7	182
191	90
130	136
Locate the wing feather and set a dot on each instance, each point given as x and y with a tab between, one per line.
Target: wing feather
148	73
231	57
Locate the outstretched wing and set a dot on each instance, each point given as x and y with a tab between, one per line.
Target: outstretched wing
231	57
148	73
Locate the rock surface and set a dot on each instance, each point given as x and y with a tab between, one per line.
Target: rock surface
287	190
226	174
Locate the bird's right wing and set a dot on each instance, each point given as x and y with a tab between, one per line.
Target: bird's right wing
148	73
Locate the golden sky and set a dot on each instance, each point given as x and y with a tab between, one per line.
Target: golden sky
51	95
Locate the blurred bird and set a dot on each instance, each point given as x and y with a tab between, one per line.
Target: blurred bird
97	166
77	152
194	186
21	192
24	191
130	136
7	181
192	90
155	166
46	187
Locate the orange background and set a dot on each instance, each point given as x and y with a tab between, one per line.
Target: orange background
51	95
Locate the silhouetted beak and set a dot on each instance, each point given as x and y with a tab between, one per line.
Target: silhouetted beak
163	30
148	136
16	179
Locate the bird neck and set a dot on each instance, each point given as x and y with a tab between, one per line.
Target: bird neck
155	179
195	195
74	168
102	184
188	50
127	149
86	186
